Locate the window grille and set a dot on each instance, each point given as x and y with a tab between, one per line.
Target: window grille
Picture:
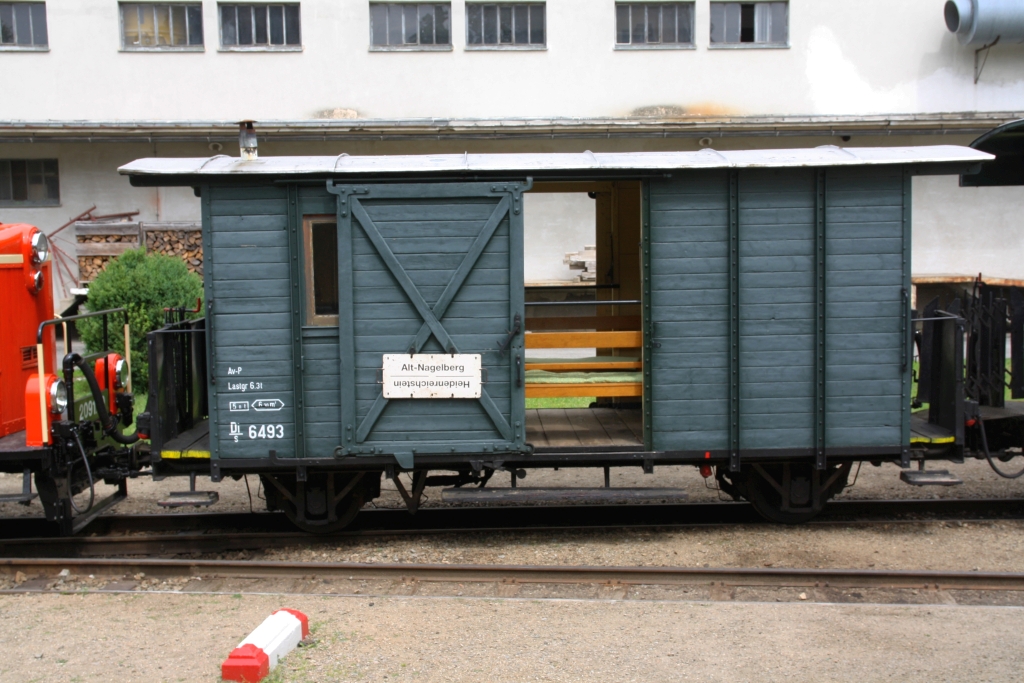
505	25
152	26
29	182
757	23
23	24
399	24
661	23
260	26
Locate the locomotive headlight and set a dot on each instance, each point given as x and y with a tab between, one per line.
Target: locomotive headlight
120	374
40	248
37	280
58	396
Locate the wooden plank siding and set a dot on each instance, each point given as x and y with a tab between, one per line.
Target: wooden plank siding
248	284
864	213
689	310
777	238
388	321
865	270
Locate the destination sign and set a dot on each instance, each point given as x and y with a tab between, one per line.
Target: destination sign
432	375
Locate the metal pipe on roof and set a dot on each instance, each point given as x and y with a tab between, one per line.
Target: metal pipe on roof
247	140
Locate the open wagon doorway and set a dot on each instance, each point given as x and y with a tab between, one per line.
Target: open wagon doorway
584	368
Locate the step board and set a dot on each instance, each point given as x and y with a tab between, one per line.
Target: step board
543	495
180	499
26	496
930	478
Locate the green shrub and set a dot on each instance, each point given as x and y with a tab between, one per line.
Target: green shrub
144	284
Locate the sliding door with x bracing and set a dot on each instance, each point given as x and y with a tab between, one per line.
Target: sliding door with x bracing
431	318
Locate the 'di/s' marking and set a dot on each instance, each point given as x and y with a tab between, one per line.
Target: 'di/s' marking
256	431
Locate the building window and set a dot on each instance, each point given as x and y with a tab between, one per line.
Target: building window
23	25
408	25
321	247
749	23
29	182
149	26
505	25
260	26
668	24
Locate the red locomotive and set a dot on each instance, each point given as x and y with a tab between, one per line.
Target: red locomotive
68	444
28	301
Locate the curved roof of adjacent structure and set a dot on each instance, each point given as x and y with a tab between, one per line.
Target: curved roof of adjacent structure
1007	144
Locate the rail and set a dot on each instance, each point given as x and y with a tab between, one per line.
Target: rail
223	532
504	575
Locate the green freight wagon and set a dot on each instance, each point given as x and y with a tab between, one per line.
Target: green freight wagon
367	316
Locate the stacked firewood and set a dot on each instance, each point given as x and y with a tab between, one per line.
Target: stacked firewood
90	266
184	244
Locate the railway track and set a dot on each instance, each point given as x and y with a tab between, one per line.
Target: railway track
496	581
174	534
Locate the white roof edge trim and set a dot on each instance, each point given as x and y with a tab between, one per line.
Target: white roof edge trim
537	162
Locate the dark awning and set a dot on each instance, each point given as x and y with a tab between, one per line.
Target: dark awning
1007	143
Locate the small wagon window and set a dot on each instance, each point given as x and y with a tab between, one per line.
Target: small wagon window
321	242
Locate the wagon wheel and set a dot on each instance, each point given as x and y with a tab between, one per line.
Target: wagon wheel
347	493
792	493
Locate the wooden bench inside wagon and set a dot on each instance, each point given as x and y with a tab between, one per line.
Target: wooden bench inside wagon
599	376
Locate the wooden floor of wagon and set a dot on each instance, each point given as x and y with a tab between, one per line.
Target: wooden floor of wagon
584	427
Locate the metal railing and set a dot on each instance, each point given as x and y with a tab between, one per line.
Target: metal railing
41	357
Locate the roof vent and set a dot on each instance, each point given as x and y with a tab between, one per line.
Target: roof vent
983	22
247	140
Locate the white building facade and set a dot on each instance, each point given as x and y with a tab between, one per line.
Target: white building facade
89	85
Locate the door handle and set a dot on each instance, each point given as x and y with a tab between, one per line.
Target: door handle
517	326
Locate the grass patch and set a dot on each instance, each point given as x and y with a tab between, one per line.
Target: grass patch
565	402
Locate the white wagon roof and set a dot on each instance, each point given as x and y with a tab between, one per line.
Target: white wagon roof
545	162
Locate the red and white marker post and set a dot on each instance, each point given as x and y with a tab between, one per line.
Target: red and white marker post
257	655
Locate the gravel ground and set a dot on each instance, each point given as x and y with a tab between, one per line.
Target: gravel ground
983	546
180	637
126	636
871	483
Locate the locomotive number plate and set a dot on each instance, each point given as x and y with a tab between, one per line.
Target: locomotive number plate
432	375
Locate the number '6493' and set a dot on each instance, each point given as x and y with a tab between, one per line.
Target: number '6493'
266	431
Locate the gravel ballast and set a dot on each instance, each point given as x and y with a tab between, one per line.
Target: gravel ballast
168	637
